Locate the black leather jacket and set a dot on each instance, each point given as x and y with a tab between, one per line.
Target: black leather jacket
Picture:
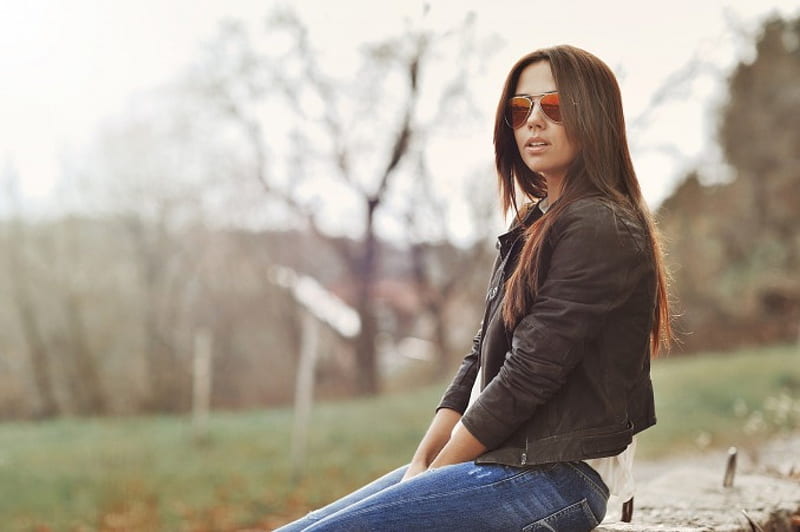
572	380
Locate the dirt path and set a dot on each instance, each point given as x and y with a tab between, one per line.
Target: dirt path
778	456
685	493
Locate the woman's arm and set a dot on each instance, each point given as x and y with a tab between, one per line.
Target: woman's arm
456	397
443	446
435	439
461	447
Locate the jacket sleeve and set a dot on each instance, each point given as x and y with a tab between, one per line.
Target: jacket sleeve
456	397
591	271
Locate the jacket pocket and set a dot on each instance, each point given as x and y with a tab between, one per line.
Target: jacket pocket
574	518
607	444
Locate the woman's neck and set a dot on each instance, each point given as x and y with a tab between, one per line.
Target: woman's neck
553	188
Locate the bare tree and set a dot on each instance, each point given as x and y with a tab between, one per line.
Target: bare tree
441	271
22	299
68	243
154	247
362	139
151	175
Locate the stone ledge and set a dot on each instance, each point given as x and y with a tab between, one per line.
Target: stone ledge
687	500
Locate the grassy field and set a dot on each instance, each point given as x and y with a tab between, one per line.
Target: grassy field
142	474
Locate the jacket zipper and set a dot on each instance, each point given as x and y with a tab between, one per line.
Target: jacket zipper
524	457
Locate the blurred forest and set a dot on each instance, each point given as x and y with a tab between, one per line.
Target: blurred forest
734	248
105	307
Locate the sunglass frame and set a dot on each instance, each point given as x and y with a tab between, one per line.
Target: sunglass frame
534	100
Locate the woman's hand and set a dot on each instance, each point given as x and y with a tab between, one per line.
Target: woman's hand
414	468
443	446
434	440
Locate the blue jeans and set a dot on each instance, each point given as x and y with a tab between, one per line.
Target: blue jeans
566	496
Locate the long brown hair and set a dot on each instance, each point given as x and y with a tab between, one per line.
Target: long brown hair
593	118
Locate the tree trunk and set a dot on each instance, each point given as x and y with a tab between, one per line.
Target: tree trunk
92	399
39	359
441	340
160	369
367	382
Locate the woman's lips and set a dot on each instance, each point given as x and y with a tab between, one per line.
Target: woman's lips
536	145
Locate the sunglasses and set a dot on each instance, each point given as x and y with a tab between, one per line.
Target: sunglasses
519	108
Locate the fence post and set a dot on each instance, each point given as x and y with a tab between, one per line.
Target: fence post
201	384
304	391
730	468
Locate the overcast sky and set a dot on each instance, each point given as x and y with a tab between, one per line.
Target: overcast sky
68	66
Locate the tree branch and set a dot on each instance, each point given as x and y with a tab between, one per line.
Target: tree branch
403	138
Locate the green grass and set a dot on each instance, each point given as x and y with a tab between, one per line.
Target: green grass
149	474
717	398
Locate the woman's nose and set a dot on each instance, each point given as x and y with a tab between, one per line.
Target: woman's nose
536	118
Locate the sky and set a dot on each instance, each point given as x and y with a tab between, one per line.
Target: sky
67	67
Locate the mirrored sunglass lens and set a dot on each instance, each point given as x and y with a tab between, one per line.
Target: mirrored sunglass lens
551	106
517	112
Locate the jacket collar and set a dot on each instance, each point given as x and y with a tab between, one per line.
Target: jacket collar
506	240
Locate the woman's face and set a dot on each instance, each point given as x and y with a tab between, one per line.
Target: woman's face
542	144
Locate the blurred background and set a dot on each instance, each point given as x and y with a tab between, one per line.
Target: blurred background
216	214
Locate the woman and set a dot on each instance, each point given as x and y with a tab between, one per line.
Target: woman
537	426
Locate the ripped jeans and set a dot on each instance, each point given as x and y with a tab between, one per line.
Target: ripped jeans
565	496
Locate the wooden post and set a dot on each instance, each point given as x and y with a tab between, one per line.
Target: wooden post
201	385
304	391
730	468
627	511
